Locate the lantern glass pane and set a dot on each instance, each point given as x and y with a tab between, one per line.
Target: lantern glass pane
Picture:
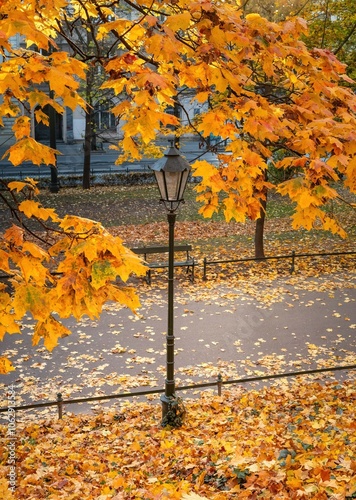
183	183
172	185
161	184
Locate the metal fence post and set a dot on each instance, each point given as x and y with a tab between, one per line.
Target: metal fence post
204	272
292	269
60	405
219	384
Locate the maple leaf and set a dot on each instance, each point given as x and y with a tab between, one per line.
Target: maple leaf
102	271
50	330
6	366
29	297
33	208
178	21
19	186
15	235
193	496
28	149
22	127
5	492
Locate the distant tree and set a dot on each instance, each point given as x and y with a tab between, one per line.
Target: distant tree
331	23
79	29
332	26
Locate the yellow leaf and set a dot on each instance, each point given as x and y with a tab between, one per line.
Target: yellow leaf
208	210
4	261
193	496
118	482
5	367
305	200
253	17
8	323
28	149
212	121
33	208
28	297
126	296
78	224
17	186
22	127
14	235
130	146
178	21
102	272
304	218
233	210
204	169
35	250
41	117
50	330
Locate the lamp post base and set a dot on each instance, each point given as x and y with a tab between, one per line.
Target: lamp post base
173	411
167	403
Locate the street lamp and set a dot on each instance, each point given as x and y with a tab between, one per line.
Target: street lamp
171	172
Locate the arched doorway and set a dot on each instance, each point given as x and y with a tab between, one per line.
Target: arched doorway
42	131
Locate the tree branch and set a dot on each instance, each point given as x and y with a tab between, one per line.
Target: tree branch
346	39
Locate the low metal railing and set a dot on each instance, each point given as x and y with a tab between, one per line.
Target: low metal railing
60	402
291	256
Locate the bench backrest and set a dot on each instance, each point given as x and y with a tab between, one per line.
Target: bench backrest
159	249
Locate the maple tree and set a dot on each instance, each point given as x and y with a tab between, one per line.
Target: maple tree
67	269
68	266
270	98
263	93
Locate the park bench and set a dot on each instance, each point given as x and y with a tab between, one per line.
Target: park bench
187	262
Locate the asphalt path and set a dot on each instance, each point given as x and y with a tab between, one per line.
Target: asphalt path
238	331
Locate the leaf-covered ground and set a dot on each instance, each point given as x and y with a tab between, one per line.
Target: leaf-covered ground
283	442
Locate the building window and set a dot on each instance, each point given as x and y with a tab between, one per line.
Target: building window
104	119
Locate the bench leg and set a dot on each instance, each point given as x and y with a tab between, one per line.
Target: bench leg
191	277
148	276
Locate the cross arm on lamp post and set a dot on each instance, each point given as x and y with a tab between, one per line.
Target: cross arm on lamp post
172	173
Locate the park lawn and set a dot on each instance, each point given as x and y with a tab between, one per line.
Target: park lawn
288	441
135	214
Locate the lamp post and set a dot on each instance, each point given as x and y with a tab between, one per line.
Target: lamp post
171	172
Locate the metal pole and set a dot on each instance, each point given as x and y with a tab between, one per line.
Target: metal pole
168	396
60	405
219	384
292	269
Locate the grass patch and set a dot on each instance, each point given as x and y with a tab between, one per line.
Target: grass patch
139	205
124	205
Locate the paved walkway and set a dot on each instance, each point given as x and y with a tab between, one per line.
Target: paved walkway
289	324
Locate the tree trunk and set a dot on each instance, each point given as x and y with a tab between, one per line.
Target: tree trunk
93	141
88	120
87	150
259	232
176	143
260	224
